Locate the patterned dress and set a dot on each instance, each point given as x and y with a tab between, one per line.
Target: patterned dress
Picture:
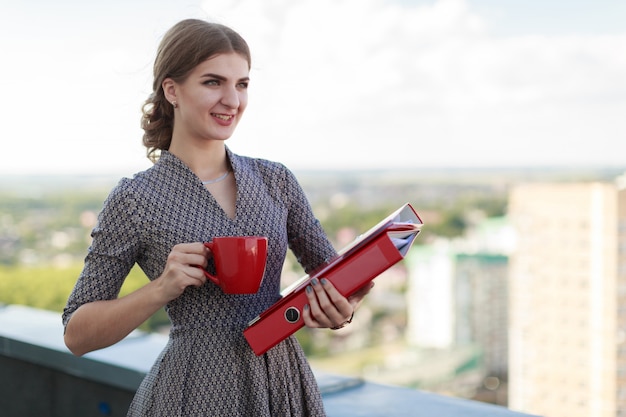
207	368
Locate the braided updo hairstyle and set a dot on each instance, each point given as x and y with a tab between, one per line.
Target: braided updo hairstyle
187	44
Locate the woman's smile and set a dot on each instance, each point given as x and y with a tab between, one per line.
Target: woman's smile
223	119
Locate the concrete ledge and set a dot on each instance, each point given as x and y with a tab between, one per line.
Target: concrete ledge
35	337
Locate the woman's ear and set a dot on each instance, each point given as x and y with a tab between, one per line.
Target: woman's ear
169	90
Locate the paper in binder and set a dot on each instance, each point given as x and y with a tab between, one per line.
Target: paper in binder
357	264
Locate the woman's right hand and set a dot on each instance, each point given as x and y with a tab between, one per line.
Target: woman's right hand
99	324
184	268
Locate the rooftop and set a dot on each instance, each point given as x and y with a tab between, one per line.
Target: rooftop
36	337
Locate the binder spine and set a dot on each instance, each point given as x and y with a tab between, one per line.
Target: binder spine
347	276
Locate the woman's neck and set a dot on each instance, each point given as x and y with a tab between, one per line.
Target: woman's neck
207	161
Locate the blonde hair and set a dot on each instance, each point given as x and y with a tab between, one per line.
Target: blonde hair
184	46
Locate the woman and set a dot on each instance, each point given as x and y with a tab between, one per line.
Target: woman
159	219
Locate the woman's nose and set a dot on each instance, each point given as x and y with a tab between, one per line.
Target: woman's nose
230	98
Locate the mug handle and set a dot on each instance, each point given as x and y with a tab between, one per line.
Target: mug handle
210	276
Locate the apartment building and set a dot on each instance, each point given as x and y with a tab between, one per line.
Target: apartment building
567	304
458	294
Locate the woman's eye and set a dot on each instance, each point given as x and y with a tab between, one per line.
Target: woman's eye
243	85
211	82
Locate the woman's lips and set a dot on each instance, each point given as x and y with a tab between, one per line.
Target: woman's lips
223	119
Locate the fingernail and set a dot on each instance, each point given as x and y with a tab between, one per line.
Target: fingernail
323	281
314	281
306	307
309	289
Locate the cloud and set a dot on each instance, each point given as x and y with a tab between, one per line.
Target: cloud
366	83
335	83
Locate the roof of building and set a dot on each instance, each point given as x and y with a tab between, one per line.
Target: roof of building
36	336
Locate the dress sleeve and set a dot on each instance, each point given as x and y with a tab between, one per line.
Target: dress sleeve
307	239
113	251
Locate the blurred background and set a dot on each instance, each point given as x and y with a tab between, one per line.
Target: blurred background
500	121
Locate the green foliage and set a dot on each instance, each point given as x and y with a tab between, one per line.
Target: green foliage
41	287
453	224
48	288
452	219
449	219
356	217
35	229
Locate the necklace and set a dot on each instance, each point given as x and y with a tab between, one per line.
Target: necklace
218	179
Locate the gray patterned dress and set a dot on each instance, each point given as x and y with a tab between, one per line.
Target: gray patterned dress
207	367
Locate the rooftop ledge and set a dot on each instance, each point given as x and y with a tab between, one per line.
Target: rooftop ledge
36	336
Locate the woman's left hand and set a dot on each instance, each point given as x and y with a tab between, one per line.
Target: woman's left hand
327	308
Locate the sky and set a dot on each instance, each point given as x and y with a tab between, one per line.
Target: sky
335	84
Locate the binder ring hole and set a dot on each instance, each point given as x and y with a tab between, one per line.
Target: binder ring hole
292	315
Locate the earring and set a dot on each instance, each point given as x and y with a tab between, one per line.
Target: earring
175	104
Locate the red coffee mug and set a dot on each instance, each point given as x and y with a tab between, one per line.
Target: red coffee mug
239	263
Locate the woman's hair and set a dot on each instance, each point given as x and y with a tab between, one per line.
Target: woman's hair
184	46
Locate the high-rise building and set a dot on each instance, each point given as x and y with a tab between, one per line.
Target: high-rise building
481	310
430	295
567	346
457	294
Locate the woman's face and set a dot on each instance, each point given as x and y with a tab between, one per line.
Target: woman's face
212	99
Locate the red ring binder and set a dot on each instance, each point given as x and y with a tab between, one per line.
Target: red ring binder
357	264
